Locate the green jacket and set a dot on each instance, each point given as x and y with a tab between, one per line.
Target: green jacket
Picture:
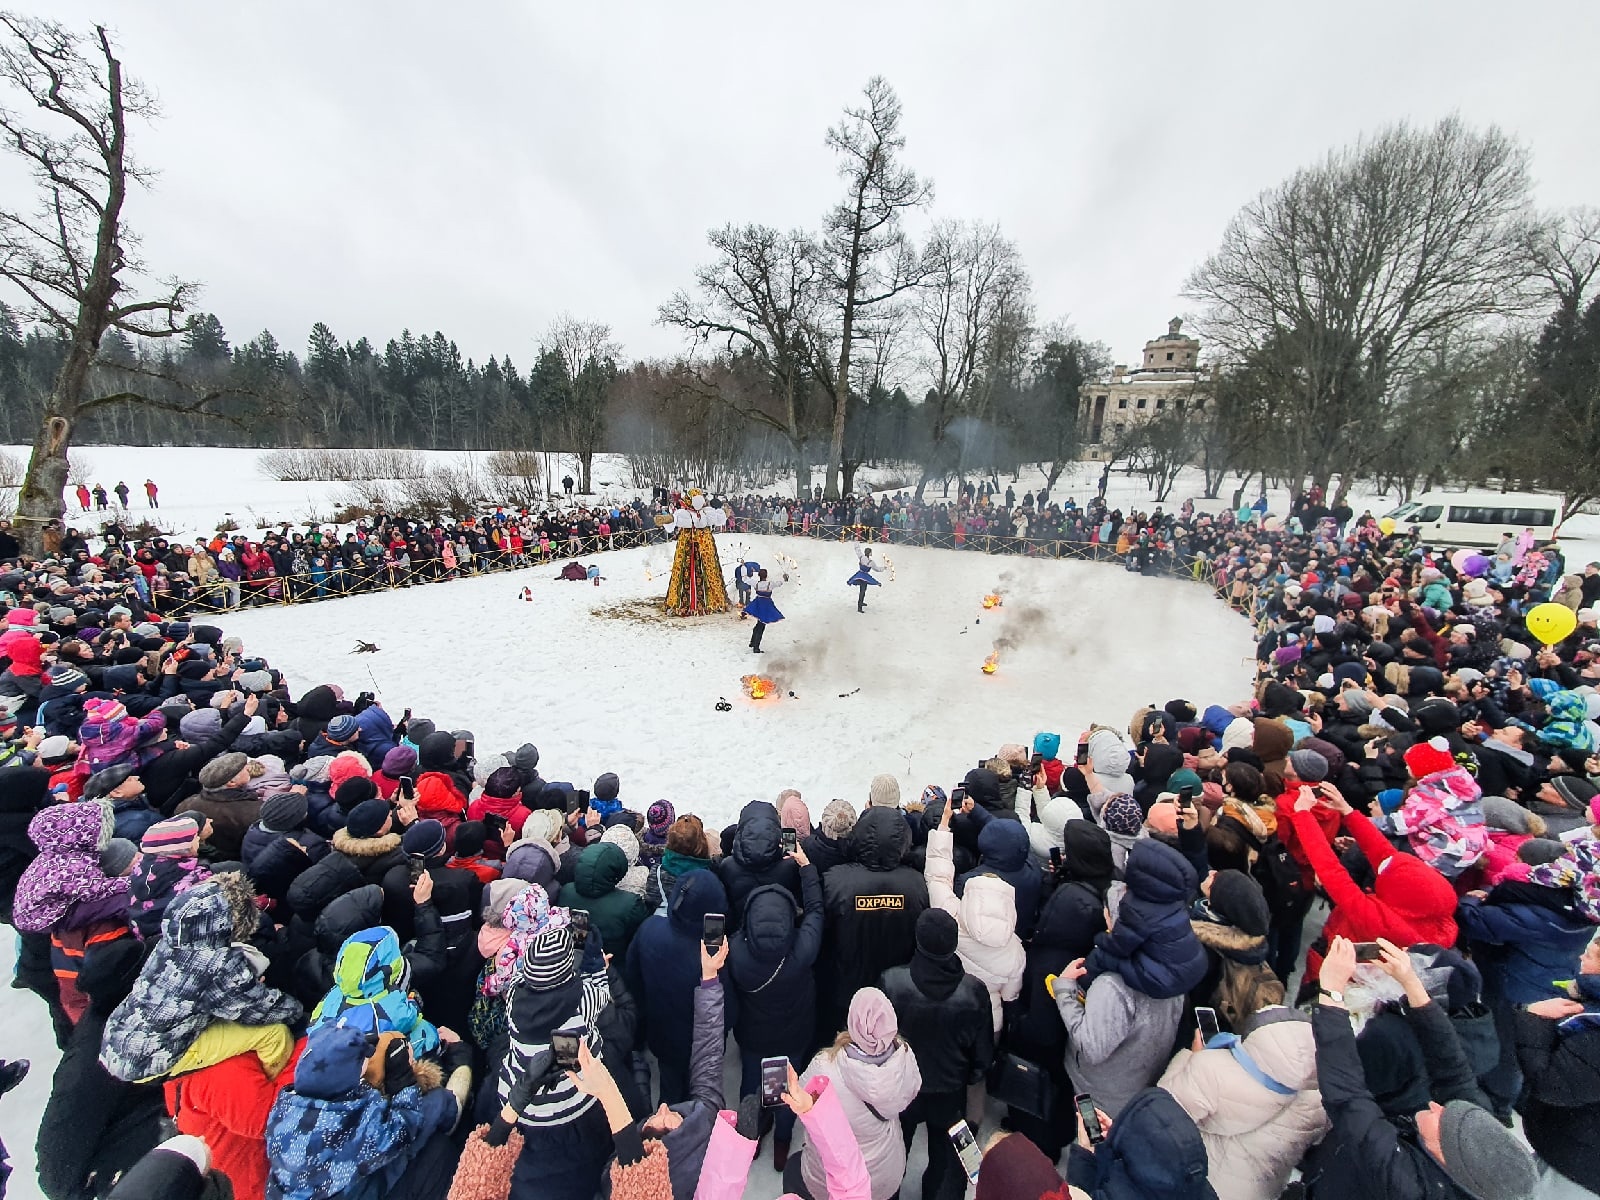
615	914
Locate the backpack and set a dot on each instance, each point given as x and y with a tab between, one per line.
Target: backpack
1274	868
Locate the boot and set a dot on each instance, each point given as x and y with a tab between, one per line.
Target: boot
780	1155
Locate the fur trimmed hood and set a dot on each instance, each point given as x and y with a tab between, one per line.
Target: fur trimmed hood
355	847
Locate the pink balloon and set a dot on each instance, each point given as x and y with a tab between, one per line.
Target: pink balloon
1458	560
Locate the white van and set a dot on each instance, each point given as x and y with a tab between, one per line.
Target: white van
1479	518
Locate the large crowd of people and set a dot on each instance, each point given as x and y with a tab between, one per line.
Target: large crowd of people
1335	936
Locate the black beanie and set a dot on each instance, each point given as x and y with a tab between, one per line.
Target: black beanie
470	837
358	789
1238	900
937	933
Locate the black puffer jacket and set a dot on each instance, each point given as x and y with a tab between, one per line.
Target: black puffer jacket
757	859
950	1028
872	904
1561	1100
24	793
770	964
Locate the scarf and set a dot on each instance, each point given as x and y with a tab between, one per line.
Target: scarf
674	863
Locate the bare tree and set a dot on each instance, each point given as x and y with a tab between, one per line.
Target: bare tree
1354	271
869	259
761	296
1566	253
71	256
590	354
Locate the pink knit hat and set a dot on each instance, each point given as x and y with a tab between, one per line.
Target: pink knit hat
347	766
793	814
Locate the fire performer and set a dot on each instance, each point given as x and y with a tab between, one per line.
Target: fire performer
762	608
862	579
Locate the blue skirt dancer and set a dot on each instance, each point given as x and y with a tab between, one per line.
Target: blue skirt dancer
862	579
762	608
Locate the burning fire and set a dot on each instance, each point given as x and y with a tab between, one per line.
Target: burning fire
992	663
992	600
758	687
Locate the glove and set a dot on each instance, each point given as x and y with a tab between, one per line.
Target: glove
397	1072
1050	985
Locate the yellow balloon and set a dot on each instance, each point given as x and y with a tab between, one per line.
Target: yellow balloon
1551	623
1386	526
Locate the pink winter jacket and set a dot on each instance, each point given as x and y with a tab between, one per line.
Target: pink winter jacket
728	1156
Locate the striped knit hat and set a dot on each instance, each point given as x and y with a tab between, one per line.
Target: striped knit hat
548	962
107	711
176	835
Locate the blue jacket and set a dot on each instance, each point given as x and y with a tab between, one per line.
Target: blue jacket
1003	850
1151	944
665	952
1154	1152
1538	946
374	737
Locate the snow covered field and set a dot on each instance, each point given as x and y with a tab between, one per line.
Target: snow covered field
600	682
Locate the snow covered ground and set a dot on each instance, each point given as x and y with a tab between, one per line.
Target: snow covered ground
601	682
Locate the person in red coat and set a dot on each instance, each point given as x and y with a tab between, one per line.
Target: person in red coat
1410	901
227	1104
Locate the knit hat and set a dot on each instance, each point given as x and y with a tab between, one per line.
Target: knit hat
347	765
607	786
332	1063
1391	798
872	1023
503	783
1574	790
883	792
176	835
100	785
425	838
57	746
118	856
1122	815
497	895
548	962
220	770
1537	851
934	797
937	933
1239	735
367	819
1014	1168
793	814
200	725
658	818
283	812
1163	815
619	836
1182	778
1309	766
838	819
470	838
1429	758
107	712
342	728
67	679
1239	901
358	789
1483	1156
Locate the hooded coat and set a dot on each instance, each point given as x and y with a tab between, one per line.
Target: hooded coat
1254	1136
757	859
665	952
372	991
197	974
1152	945
613	913
1108	763
1046	833
1561	1097
1410	902
1154	1152
1004	850
24	794
872	904
771	963
873	1095
986	921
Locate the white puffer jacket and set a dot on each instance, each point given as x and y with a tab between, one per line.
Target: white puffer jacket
1108	761
1046	832
1254	1136
986	916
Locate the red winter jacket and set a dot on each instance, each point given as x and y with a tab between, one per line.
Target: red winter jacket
1327	822
510	807
1409	903
227	1105
440	799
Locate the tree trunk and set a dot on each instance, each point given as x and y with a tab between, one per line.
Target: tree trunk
39	500
802	469
586	472
849	469
1056	467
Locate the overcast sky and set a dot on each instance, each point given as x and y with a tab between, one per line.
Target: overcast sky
479	167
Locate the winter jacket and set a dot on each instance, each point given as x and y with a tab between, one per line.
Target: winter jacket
663	966
757	859
1068	923
1153	1152
1046	832
156	882
1521	945
1409	903
510	809
986	919
132	816
1561	1093
616	915
1118	1039
771	964
948	1024
381	861
196	975
1004	851
1151	943
374	737
231	811
332	1135
227	1104
873	1095
1254	1136
872	905
169	773
24	793
371	991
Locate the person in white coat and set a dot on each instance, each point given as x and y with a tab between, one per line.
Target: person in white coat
1107	770
1255	1102
986	917
1047	832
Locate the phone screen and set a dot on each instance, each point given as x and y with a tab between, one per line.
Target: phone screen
1082	757
1206	1019
1368	952
967	1148
408	787
415	866
1091	1119
1055	857
1186	797
789	840
774	1081
564	1045
578	922
712	929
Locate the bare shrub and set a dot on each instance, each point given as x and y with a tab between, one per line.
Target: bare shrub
12	470
303	466
515	477
79	470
